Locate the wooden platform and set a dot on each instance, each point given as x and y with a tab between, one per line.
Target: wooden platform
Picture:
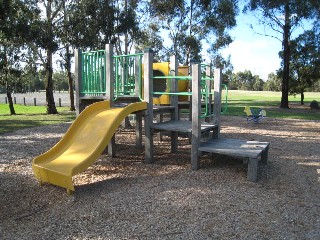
181	126
252	150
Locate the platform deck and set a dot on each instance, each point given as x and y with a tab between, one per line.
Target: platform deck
253	150
181	126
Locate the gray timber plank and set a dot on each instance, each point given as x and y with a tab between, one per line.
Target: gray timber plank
181	126
234	147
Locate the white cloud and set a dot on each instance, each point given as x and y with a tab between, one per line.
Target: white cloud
260	56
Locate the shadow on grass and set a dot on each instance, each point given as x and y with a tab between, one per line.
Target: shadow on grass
10	123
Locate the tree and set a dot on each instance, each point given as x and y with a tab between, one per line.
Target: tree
225	65
258	83
95	23
15	26
191	22
149	35
246	81
60	81
66	53
305	64
283	17
273	83
46	30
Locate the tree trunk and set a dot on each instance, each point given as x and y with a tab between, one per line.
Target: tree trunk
51	107
10	102
302	97
70	79
286	59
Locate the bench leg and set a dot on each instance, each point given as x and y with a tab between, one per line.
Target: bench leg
264	155
252	169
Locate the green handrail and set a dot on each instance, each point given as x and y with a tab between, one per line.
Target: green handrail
93	82
126	73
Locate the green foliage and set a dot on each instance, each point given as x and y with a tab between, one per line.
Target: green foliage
15	32
60	81
246	81
305	64
282	17
191	22
273	83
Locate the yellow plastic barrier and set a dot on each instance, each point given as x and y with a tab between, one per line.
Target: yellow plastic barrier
161	85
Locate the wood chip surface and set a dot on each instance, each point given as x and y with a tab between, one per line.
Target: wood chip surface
124	198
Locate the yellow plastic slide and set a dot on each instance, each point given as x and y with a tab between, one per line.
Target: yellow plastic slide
83	143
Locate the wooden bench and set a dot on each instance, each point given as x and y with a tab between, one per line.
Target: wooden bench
252	150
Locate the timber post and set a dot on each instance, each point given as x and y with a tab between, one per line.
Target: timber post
174	101
217	101
110	91
209	87
78	78
196	111
148	117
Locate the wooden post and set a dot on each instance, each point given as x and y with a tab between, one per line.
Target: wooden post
137	77
209	87
109	74
196	110
110	92
190	89
138	93
174	101
59	102
217	101
159	119
24	101
148	119
138	129
78	78
34	101
252	170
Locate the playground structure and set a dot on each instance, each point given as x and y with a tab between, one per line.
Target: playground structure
254	115
134	84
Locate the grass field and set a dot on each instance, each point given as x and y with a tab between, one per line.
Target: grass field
31	116
270	101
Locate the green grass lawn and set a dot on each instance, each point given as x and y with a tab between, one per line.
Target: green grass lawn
270	101
31	116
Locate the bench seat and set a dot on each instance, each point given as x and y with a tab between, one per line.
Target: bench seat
253	150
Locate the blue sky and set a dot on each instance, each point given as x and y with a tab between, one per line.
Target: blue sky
254	52
251	51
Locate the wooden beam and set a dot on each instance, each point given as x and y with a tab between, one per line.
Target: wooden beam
196	110
109	73
209	87
217	101
174	101
148	117
110	92
78	78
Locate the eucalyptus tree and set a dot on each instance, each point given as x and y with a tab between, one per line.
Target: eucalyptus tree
191	23
16	19
281	18
148	33
305	61
66	50
97	22
47	43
